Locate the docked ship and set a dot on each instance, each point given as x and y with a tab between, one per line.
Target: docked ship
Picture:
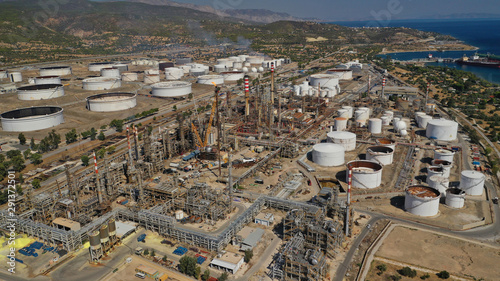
477	60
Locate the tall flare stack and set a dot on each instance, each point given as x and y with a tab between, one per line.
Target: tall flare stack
272	82
247	97
98	185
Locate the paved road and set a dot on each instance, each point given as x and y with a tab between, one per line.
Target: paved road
262	258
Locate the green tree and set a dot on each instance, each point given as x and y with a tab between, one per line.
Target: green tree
17	163
21	178
190	96
101	152
101	136
152	253
488	151
248	255
205	275
146	252
27	153
165	258
85	160
36	184
223	277
111	149
22	139
382	268
36	158
54	139
19	189
408	272
117	124
93	133
33	146
187	265
13	153
71	136
395	277
443	274
425	276
174	108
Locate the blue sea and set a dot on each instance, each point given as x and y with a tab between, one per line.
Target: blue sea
481	33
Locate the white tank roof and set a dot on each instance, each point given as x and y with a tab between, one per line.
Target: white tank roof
341	135
328	147
471	174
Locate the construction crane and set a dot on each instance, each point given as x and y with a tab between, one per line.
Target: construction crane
207	133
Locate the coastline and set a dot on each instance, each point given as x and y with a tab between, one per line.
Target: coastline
423	50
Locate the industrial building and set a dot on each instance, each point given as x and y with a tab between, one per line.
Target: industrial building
230	262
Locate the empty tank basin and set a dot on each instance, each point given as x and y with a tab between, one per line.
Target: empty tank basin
111	102
365	174
31	118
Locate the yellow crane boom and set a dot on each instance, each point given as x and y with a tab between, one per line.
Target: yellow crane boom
193	127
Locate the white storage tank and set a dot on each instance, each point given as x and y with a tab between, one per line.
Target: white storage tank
386	121
399	125
3	74
365	174
15	76
360	114
110	102
380	154
344	113
350	111
368	111
324	80
173	73
31	118
340	124
389	113
179	215
435	170
422	200
472	182
171	89
40	92
101	83
375	126
122	67
110	72
55	71
346	139
438	182
446	165
328	154
220	68
232	76
97	66
418	116
444	154
130	76
151	78
342	74
47	80
387	142
455	198
442	129
210	79
152	72
424	120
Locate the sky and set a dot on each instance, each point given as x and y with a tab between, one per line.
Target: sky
347	10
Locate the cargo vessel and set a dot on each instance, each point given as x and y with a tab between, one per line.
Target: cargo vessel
476	60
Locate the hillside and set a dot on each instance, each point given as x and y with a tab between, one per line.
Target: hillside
81	28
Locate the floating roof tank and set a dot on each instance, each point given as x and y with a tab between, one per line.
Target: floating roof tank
346	139
365	174
422	200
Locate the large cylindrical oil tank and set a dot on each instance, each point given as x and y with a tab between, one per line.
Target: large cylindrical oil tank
442	129
15	76
424	120
181	61
220	68
95	240
446	165
122	67
344	113
472	182
232	76
164	65
171	89
422	200
340	124
365	174
174	73
438	182
323	80
418	116
368	111
350	110
151	78
444	154
101	83
346	139
386	121
328	154
110	72
40	92
111	102
389	113
97	66
55	71
104	233
375	125
342	74
130	76
47	80
152	72
210	79
388	143
31	118
360	114
435	170
380	154
455	198
112	227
